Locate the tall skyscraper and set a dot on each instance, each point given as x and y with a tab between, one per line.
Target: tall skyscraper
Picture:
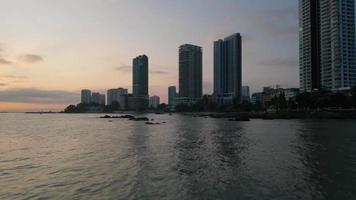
190	71
86	96
227	69
327	44
139	100
140	76
172	93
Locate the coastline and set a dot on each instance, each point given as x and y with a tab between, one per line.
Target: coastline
242	116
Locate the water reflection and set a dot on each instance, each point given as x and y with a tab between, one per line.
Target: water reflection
327	152
83	157
209	156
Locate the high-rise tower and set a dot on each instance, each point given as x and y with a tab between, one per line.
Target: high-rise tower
227	69
327	44
190	71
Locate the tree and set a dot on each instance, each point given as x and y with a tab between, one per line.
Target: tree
70	109
304	100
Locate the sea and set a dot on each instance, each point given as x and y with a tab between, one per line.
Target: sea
81	156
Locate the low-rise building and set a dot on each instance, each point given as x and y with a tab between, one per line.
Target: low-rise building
187	100
256	99
137	103
290	94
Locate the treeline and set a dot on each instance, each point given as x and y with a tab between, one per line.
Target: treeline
208	105
85	108
324	99
94	108
306	100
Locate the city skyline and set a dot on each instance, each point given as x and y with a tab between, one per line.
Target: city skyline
54	68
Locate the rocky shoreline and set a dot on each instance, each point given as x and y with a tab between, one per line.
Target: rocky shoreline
246	116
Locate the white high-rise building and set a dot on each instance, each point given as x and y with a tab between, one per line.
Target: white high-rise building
327	44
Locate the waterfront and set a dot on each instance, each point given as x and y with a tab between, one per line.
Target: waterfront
79	156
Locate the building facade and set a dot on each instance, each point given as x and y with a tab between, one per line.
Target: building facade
154	102
140	83
228	69
256	99
85	96
172	94
190	72
97	98
140	76
117	95
290	94
102	99
327	44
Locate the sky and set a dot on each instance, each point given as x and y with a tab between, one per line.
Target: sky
51	49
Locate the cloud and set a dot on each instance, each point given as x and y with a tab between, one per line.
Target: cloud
124	68
14	77
30	58
3	61
33	95
3	84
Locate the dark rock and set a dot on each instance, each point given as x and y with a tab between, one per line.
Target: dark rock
152	123
140	119
127	117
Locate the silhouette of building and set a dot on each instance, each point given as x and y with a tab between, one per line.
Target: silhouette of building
140	82
86	96
97	98
154	102
118	95
327	44
190	72
140	76
227	69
